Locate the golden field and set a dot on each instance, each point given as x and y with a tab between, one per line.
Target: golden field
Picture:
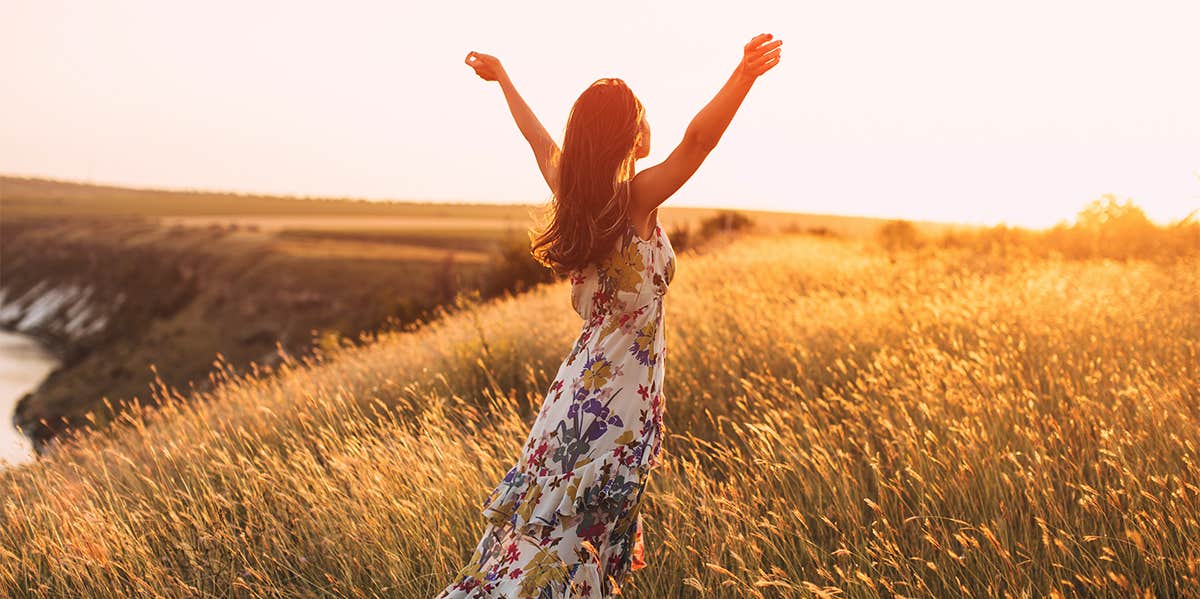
842	421
175	277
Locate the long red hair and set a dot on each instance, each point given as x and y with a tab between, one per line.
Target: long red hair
590	209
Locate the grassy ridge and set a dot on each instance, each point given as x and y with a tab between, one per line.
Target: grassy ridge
932	423
25	197
43	197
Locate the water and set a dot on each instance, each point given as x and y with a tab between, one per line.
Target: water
23	365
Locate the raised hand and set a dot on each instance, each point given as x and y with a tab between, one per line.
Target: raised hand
654	185
545	150
760	55
486	66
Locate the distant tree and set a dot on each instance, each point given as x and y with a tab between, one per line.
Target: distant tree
898	235
1111	228
725	221
1105	228
1108	212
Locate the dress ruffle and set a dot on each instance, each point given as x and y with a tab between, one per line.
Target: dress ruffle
527	500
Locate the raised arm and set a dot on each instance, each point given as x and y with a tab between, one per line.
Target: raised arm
545	150
654	185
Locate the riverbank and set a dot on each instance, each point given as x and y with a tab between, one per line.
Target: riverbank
24	364
122	301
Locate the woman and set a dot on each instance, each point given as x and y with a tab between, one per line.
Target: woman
565	521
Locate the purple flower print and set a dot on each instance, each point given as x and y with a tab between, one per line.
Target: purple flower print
593	406
597	429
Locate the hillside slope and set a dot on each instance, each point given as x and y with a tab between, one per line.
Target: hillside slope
924	424
123	300
119	281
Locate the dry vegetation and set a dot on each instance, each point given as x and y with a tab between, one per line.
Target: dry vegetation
842	421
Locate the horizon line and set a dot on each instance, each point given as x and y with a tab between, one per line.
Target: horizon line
465	202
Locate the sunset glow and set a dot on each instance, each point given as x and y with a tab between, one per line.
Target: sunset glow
1017	112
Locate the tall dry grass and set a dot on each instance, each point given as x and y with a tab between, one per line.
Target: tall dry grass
841	423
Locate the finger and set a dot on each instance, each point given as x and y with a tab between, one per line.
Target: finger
756	62
758	39
770	64
771	46
470	55
763	49
760	64
768	55
757	53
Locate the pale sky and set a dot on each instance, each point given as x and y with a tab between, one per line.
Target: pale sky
1016	111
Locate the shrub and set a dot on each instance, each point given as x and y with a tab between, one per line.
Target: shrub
514	269
898	235
725	221
1105	228
682	237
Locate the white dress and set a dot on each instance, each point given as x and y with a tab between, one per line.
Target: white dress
565	521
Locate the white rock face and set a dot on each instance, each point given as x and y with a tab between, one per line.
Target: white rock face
65	309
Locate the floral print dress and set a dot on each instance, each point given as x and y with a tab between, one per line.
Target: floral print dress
566	521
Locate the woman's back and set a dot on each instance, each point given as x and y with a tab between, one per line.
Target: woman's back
634	273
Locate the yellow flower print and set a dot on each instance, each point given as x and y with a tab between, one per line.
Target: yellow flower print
531	497
596	374
545	568
472	569
625	268
643	344
645	337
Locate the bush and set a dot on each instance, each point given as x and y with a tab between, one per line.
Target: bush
682	238
725	221
898	235
1105	228
514	269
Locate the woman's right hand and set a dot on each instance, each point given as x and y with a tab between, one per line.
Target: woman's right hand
486	66
760	55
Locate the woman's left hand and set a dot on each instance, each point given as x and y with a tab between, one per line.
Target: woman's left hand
486	66
760	55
